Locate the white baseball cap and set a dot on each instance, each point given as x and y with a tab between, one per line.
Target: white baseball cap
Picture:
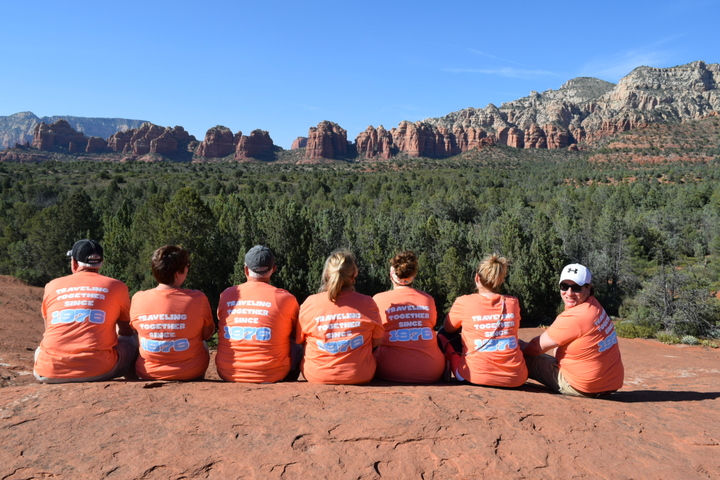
576	273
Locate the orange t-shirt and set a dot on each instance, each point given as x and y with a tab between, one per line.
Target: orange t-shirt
588	355
409	352
339	338
256	324
491	353
169	325
81	311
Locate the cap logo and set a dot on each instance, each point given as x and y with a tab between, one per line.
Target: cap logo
572	270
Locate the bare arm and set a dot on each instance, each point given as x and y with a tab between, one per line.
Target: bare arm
449	328
538	345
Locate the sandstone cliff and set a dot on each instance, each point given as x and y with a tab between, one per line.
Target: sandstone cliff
587	109
257	145
327	140
18	128
219	142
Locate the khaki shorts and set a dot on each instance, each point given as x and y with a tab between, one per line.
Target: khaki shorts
545	369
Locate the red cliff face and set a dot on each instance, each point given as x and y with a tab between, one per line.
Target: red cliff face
219	142
256	145
96	145
327	140
58	134
150	138
375	143
299	142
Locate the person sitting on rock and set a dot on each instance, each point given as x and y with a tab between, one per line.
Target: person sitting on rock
257	324
340	326
487	351
84	313
587	361
409	352
172	322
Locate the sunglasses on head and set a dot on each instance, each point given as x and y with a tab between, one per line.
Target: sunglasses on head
575	288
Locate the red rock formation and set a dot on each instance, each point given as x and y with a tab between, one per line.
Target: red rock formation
415	139
256	145
299	142
374	143
470	137
58	134
557	137
95	145
511	136
327	140
219	142
118	141
535	137
150	138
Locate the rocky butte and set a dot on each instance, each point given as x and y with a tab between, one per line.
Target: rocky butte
578	114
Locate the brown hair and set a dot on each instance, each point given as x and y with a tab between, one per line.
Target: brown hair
167	261
492	271
405	264
339	273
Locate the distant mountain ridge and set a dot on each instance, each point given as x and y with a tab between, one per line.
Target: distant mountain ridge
577	116
18	128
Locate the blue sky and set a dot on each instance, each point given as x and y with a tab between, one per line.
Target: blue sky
285	66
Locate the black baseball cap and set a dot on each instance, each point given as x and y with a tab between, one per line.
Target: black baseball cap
87	251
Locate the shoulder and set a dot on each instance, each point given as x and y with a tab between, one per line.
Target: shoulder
466	299
512	300
230	290
379	297
194	293
142	294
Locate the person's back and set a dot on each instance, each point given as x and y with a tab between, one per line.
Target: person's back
172	322
487	351
339	327
170	325
491	352
81	312
339	338
409	351
256	323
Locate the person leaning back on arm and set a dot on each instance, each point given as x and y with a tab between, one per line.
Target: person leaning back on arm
84	313
587	361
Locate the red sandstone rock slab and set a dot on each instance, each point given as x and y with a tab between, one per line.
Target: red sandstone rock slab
662	425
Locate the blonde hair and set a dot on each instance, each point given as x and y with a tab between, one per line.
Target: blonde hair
405	264
339	273
492	271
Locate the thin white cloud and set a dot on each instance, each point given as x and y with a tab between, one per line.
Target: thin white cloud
505	72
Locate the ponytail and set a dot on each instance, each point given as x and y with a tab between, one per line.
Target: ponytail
339	273
492	271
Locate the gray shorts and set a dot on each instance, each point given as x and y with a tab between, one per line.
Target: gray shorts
127	349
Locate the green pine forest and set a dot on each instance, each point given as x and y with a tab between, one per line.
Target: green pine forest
649	231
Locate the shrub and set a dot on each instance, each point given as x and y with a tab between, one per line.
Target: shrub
667	337
689	340
628	329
